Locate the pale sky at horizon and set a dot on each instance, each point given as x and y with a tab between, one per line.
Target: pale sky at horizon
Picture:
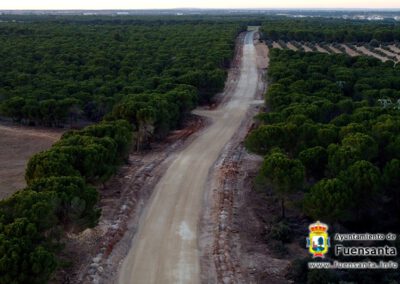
160	4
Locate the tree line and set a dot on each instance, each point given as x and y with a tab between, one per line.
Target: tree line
329	30
330	147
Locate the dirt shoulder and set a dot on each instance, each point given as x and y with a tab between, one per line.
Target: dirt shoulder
18	144
262	54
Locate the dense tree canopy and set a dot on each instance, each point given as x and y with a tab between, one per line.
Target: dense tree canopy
58	72
334	195
324	115
283	174
346	140
330	30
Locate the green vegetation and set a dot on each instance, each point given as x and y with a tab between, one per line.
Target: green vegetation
326	115
155	114
330	30
284	174
139	80
58	197
58	72
331	149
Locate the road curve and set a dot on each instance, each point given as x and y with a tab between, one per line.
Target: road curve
165	247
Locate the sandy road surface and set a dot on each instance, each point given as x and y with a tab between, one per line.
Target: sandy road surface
165	248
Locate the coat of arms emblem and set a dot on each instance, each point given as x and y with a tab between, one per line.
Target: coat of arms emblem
318	241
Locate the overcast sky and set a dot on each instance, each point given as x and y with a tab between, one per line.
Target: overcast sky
165	4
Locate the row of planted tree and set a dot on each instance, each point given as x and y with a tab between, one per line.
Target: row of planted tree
332	150
330	30
140	81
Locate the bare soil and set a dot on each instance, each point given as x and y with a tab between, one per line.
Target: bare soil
394	48
306	48
365	51
18	144
276	45
350	51
262	55
321	49
291	46
388	53
334	49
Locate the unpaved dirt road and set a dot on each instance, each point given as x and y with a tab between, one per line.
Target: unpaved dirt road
165	247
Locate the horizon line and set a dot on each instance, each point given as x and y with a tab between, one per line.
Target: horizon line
197	8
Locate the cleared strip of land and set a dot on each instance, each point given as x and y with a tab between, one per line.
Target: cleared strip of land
334	49
276	45
365	51
291	46
321	49
394	48
306	48
350	51
388	53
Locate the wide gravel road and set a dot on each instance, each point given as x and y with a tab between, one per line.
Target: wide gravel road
165	247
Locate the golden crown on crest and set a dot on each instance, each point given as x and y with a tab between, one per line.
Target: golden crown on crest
318	227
